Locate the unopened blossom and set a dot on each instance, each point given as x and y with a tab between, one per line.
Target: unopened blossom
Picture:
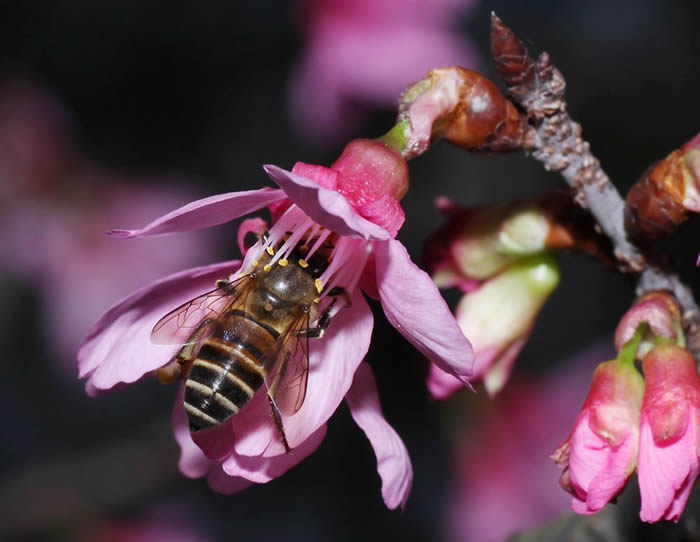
658	309
668	441
601	453
666	195
498	318
363	222
360	54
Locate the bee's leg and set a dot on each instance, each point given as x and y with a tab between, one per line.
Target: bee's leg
182	361
337	292
278	423
325	319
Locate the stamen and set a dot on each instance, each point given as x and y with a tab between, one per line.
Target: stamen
319	242
319	285
267	267
270	251
255	263
283	262
303	263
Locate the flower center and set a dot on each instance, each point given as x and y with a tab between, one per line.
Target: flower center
333	260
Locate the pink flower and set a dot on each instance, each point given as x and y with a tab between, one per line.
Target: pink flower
498	318
668	441
601	453
364	53
328	202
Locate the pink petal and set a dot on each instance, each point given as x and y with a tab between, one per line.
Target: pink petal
263	469
254	225
414	306
193	463
610	481
118	347
221	482
442	385
324	176
333	361
588	454
207	212
327	207
393	463
386	212
666	473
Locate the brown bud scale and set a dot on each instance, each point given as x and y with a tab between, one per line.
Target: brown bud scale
654	205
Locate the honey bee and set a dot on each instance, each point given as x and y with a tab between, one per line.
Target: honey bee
251	331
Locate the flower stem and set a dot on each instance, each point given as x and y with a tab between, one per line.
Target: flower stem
628	352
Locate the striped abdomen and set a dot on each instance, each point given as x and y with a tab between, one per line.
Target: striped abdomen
227	370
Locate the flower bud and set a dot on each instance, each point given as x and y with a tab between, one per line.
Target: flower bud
601	453
498	318
465	108
476	243
668	442
662	199
660	310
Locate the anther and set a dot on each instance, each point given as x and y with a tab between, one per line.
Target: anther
319	285
267	267
303	263
255	263
282	262
270	251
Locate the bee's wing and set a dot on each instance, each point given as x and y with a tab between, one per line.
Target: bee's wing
287	370
178	327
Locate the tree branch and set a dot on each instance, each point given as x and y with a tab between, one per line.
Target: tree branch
539	88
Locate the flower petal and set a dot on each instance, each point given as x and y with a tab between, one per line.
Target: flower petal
254	225
263	469
118	347
610	481
206	212
333	361
193	463
442	385
222	483
326	207
666	472
414	306
393	463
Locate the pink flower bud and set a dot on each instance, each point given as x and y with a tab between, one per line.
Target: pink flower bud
657	308
668	446
601	453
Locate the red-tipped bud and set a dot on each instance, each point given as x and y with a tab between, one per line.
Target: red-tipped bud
665	195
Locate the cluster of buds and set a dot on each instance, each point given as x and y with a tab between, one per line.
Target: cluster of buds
667	193
501	257
630	422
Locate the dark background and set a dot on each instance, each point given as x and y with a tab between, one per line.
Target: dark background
198	90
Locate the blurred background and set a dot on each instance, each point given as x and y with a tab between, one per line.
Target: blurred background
113	113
